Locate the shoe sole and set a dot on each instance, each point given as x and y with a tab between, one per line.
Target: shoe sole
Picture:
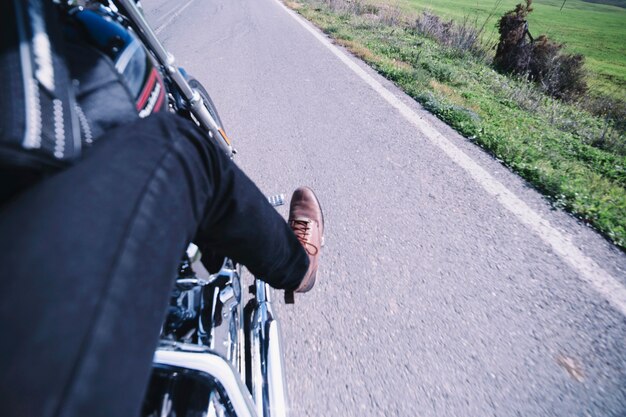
323	240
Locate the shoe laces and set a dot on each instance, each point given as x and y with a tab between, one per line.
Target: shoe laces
302	230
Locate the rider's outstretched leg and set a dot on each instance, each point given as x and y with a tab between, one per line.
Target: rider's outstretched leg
89	256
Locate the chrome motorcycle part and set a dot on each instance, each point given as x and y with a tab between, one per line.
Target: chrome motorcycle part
267	378
167	61
203	364
208	101
221	315
191	282
183	313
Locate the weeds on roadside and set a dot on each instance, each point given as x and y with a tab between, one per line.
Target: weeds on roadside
463	37
612	136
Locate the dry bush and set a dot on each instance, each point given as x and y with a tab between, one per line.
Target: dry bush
391	15
541	60
352	7
560	75
359	7
428	24
514	48
462	37
613	113
465	37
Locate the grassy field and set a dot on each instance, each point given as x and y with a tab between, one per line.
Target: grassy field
598	31
555	146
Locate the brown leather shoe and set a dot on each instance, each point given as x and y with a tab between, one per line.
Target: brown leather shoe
307	222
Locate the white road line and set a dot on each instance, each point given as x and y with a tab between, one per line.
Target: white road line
589	271
165	15
172	17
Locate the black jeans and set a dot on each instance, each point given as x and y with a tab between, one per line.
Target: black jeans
89	255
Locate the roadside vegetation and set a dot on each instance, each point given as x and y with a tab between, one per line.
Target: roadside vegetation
593	28
572	148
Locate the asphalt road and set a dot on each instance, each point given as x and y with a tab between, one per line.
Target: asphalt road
435	299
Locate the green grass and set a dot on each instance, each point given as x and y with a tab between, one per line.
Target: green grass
547	142
597	31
